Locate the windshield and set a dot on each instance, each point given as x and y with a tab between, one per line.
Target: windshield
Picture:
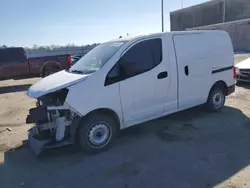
96	58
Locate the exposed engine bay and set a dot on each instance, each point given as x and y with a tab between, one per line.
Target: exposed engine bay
53	121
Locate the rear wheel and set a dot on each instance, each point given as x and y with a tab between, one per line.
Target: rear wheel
49	71
216	99
96	133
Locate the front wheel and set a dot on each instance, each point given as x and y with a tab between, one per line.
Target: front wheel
96	133
216	99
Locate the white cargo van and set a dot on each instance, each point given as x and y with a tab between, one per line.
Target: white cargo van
124	82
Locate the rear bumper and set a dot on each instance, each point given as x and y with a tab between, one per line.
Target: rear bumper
231	89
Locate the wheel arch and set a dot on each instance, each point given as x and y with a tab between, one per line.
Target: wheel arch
220	84
108	112
49	64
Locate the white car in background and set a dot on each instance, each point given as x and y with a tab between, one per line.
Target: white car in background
243	71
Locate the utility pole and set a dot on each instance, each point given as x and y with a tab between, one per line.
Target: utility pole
182	4
224	11
162	17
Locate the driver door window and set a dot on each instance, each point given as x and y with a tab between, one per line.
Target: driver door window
139	59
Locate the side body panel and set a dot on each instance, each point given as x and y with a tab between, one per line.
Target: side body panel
13	68
222	67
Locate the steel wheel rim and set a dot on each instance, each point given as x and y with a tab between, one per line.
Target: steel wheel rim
218	99
99	134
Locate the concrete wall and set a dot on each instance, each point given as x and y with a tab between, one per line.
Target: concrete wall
208	13
237	10
239	32
212	13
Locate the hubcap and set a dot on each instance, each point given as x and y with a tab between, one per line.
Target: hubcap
218	99
99	134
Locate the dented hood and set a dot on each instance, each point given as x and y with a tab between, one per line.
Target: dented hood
54	82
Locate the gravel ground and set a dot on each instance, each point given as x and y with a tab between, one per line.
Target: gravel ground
185	150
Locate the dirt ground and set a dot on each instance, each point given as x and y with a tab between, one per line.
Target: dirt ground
191	149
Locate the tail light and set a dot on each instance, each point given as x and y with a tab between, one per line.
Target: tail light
234	70
69	60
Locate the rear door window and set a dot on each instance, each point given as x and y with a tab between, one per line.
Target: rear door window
14	55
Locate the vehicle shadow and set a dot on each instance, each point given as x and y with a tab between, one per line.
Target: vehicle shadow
15	88
20	77
26	77
188	149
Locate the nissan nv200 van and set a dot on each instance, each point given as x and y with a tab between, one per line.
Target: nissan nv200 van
128	81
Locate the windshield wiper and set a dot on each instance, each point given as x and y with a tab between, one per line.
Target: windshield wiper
77	71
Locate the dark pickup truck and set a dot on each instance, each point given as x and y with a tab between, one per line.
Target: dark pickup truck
14	63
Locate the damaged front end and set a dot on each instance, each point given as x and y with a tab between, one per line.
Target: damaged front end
55	122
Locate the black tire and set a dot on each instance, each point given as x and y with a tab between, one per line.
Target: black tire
239	83
48	72
90	127
216	99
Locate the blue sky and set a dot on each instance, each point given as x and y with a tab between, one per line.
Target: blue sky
46	22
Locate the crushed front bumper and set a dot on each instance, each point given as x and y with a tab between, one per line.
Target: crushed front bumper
39	145
36	145
50	130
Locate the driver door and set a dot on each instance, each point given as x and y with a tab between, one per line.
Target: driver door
142	90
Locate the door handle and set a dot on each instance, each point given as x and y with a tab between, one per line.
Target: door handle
186	70
162	75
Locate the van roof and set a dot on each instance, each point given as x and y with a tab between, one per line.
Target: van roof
141	36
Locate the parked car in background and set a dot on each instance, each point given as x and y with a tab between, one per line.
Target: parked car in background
243	71
49	64
75	58
124	82
14	63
